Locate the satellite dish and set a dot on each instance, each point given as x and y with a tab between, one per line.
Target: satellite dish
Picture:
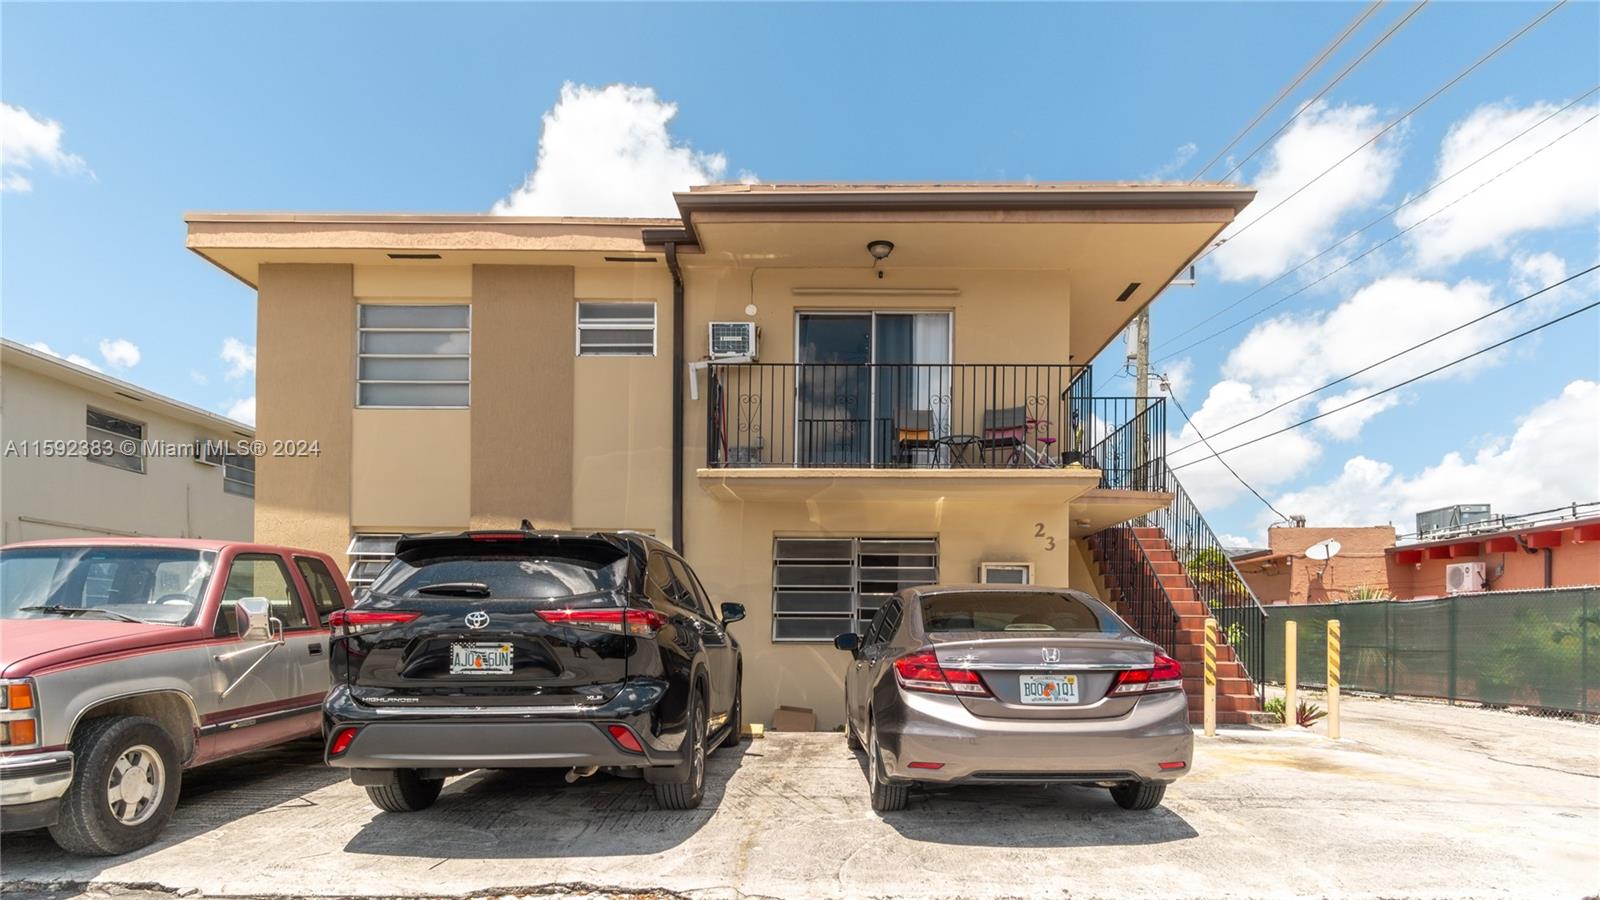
1323	550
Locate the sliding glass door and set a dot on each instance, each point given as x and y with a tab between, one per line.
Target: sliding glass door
873	388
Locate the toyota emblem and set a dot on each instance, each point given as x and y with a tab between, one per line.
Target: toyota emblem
478	619
1050	654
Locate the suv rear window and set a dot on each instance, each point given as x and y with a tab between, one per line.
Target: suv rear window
1013	612
506	576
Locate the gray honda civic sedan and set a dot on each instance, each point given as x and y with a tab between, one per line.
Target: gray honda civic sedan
1013	684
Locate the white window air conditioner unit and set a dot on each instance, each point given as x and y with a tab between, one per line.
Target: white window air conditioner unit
733	340
1465	578
208	453
1005	573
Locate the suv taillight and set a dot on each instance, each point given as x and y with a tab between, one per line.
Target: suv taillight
637	622
920	671
1165	675
368	619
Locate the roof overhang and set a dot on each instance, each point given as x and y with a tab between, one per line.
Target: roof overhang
1119	244
240	243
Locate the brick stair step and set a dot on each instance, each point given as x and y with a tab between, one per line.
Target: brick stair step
1188	607
1169	567
1224	717
1233	684
1230	702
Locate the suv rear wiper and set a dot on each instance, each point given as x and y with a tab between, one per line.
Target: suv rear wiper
456	589
82	610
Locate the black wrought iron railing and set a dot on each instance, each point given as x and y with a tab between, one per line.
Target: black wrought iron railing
898	416
1141	598
1128	442
1241	621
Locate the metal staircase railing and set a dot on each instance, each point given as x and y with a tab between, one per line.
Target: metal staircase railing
1241	620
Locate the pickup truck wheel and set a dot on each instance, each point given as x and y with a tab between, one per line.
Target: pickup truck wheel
408	792
1139	794
125	787
688	793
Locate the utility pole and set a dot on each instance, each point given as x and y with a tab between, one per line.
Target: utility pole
1141	331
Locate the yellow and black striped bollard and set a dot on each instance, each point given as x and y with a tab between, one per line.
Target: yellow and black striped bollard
1333	678
1211	678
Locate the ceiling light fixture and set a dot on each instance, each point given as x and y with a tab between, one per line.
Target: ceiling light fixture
880	250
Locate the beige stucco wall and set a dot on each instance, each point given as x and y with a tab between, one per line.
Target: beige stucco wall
305	390
622	413
522	396
730	546
174	497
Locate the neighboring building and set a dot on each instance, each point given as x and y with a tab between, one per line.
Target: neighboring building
1282	573
141	476
1551	549
470	371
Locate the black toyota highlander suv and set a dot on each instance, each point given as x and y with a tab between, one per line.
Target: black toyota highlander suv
522	649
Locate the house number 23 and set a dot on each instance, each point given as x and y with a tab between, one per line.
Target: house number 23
1049	540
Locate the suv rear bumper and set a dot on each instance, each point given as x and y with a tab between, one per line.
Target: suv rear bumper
482	738
486	745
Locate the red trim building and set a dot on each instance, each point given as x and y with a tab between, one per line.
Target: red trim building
1553	553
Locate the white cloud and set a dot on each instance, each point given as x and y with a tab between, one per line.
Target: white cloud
1561	186
1180	159
73	358
1552	458
1235	542
27	141
243	410
1291	354
199	377
608	152
240	357
1319	138
119	353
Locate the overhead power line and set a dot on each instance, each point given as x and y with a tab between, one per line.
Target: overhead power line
1370	250
1289	88
1402	117
1390	358
1393	387
1371	48
1240	478
1389	214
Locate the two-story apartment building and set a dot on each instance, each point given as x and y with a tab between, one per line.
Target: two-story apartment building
86	454
900	392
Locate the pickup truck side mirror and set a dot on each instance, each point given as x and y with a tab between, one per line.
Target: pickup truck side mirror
849	641
732	612
252	618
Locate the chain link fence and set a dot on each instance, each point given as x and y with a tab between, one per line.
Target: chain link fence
1535	649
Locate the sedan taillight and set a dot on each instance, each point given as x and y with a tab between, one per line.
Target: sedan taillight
1166	675
637	622
921	671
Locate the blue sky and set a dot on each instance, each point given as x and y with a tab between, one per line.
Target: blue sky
162	109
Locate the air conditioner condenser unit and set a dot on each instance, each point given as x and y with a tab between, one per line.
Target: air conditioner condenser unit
1465	578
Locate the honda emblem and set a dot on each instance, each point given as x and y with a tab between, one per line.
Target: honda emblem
1051	654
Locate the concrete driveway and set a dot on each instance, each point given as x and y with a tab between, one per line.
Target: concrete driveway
1419	800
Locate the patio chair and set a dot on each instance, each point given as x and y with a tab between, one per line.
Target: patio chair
913	431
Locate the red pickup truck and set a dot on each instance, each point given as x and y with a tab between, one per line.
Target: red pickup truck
124	661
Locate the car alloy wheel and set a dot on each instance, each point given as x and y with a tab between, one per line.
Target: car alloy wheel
135	786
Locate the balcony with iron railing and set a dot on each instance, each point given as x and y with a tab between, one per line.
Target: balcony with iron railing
934	424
